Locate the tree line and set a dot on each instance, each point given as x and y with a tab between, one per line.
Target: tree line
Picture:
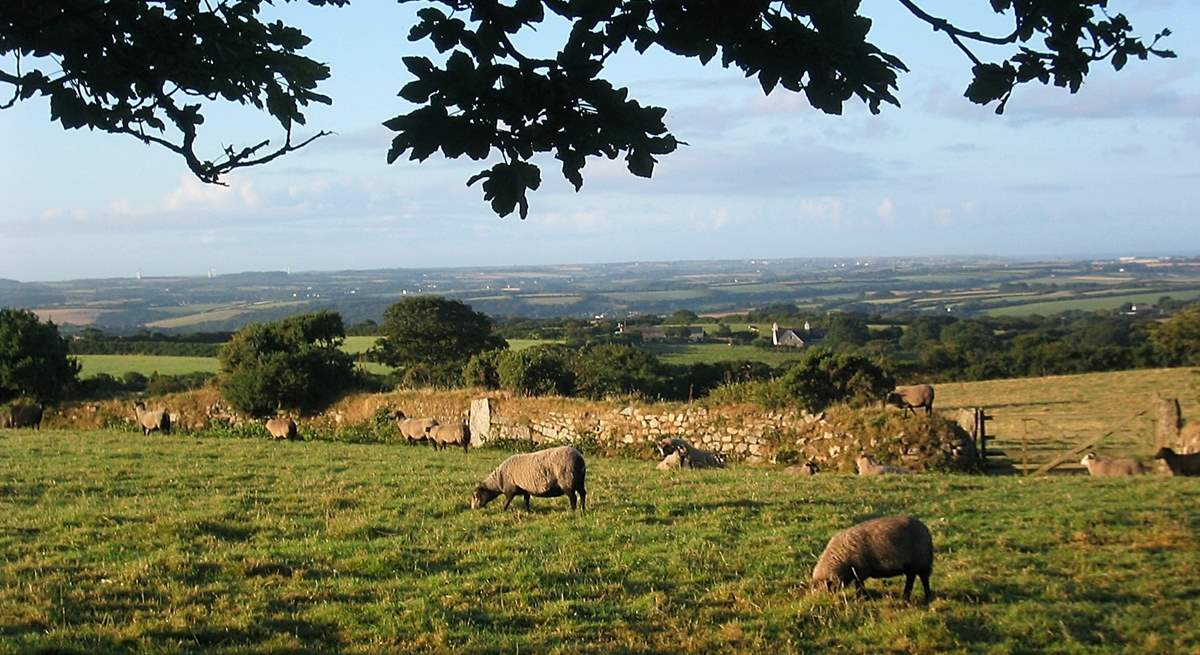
298	364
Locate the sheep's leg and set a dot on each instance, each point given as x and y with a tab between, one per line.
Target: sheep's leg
527	507
909	579
507	501
582	500
925	585
571	497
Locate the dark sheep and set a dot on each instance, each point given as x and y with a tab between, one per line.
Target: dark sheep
878	548
24	416
1186	465
546	474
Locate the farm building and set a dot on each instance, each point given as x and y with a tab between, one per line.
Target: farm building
785	337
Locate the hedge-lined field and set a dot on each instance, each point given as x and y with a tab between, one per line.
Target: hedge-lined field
114	542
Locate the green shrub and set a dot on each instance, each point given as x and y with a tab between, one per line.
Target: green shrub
295	363
481	370
822	378
537	371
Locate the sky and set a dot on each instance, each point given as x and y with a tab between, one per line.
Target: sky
1112	170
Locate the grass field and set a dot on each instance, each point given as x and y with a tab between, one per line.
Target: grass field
693	353
117	365
114	542
1054	413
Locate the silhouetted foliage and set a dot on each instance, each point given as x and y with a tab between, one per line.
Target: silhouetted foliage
33	358
537	371
151	70
1177	341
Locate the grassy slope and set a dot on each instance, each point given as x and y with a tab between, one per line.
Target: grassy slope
1057	412
115	542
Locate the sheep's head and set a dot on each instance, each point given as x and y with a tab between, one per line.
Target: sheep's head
825	579
1090	457
1164	453
140	406
482	496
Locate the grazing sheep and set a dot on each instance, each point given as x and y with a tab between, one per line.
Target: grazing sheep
158	419
282	428
1187	465
804	469
24	416
1111	467
910	398
675	460
545	474
878	548
868	466
455	434
414	429
692	457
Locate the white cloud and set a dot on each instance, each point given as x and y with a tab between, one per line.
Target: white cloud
886	210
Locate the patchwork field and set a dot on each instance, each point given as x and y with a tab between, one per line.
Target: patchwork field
114	542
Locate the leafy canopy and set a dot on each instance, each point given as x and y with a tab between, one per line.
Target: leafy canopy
434	332
148	68
33	358
295	363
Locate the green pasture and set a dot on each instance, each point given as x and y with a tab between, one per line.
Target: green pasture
694	353
118	365
119	543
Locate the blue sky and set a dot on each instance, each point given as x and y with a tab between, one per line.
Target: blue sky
1111	170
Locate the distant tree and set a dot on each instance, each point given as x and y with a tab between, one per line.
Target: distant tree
613	369
823	377
846	330
971	337
295	363
683	317
33	358
1177	340
538	371
151	70
434	332
924	329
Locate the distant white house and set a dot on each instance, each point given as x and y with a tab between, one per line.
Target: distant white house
785	337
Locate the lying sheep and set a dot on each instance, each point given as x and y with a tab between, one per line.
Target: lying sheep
159	419
804	469
910	398
878	548
545	474
868	466
414	429
1111	467
282	428
692	457
23	416
1186	465
675	460
455	434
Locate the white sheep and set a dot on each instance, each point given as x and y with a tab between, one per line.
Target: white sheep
546	474
1111	467
868	466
